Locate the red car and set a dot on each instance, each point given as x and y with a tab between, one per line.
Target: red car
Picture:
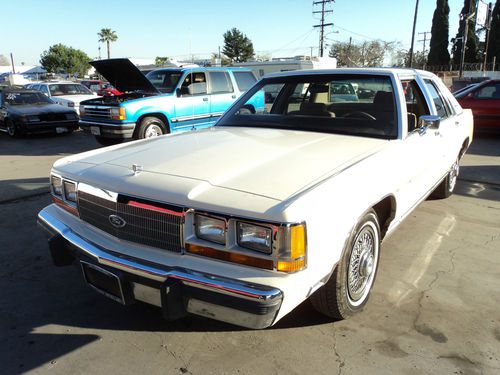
101	88
484	100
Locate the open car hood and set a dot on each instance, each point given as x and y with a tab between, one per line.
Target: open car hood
123	75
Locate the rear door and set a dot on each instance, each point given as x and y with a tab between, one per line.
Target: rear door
222	93
192	107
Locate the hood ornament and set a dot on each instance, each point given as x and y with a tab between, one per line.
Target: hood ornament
136	168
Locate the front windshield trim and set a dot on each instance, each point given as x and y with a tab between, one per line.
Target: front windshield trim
161	87
386	129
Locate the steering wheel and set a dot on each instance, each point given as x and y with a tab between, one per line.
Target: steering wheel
359	114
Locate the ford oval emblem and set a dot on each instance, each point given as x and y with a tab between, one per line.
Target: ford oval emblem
117	221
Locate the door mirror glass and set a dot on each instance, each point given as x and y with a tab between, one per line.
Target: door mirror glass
429	121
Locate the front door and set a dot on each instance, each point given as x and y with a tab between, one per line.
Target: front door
192	107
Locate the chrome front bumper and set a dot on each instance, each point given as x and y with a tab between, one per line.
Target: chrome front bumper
216	297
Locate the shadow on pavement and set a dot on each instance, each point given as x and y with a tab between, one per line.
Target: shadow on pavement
22	188
485	144
44	145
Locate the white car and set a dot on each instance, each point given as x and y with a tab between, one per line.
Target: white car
66	93
244	221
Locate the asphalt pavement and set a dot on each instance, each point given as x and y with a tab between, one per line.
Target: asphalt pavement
433	310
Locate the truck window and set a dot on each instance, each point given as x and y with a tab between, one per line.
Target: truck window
244	80
220	83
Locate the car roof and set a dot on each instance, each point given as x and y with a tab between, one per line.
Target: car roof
354	71
204	69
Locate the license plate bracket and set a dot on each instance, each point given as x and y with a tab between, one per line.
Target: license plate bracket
104	282
95	130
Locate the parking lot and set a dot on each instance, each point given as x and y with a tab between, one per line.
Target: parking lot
434	307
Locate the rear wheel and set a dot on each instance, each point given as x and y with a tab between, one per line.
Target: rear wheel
151	127
348	288
447	186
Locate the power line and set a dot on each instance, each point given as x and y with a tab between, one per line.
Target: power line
322	24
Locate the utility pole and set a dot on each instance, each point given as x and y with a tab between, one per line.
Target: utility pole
413	34
12	61
425	43
488	28
464	42
322	24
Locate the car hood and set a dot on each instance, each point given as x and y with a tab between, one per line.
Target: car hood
73	98
267	162
27	110
123	75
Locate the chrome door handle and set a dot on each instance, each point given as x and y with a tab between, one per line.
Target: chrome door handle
205	99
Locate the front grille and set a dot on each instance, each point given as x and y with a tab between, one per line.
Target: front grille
49	117
98	112
147	226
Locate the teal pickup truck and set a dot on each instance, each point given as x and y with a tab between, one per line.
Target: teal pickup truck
162	101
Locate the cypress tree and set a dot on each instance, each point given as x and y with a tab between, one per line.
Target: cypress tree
472	39
494	45
438	53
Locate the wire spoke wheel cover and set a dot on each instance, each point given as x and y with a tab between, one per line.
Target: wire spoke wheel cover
453	175
362	264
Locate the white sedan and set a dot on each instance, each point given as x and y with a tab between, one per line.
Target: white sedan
273	205
66	93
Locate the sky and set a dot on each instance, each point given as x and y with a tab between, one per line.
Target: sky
184	28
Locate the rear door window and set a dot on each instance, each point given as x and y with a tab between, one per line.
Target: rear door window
244	80
220	83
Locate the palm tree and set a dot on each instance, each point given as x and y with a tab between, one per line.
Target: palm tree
107	35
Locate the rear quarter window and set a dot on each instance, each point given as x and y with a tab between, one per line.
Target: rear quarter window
244	80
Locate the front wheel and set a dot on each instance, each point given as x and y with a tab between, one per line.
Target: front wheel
12	129
151	127
349	286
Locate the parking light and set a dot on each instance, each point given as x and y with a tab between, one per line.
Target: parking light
118	113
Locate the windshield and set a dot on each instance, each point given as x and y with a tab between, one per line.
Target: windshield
60	89
164	80
360	105
26	98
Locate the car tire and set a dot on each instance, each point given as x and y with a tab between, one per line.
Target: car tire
349	286
447	186
107	141
12	129
151	127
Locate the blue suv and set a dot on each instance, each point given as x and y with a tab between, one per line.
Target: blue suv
162	101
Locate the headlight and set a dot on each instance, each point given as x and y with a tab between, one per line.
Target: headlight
56	185
255	237
118	113
210	229
71	116
71	104
70	191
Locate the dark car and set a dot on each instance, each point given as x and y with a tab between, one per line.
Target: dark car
484	101
29	111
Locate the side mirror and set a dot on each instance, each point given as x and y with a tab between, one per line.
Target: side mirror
429	121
